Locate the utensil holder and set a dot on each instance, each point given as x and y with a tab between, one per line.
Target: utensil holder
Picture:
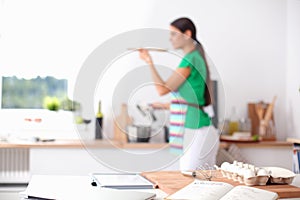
267	130
255	121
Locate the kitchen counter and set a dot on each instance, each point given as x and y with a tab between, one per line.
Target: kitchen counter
81	144
114	144
49	157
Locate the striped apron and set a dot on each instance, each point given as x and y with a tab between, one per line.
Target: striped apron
178	108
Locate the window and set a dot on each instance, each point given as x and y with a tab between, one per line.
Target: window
30	93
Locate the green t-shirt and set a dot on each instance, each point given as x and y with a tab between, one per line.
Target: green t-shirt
193	89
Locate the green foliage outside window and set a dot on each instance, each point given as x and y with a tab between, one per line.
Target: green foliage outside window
31	93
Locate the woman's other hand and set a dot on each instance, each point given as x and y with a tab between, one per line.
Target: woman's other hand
144	55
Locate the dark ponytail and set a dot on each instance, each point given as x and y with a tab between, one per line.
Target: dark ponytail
184	24
208	94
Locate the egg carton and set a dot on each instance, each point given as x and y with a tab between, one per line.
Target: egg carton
250	175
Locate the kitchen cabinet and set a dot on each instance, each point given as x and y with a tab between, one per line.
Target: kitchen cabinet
71	157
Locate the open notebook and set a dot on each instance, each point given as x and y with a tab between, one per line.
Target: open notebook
209	190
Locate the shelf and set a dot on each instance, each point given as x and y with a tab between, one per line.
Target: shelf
261	144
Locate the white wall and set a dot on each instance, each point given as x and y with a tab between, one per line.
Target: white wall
245	39
293	69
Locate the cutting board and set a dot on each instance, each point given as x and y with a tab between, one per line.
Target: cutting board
172	181
120	124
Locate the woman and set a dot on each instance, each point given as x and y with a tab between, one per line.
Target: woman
192	81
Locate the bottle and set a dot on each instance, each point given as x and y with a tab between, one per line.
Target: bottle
224	126
234	122
245	125
99	122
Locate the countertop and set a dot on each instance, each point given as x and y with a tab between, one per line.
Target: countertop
80	144
116	144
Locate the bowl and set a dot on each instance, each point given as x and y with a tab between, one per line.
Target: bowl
138	133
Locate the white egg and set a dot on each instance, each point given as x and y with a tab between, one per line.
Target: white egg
224	166
256	169
241	171
240	164
252	167
248	173
246	165
229	167
262	172
234	169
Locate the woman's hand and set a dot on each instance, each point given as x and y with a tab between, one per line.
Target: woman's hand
144	55
160	105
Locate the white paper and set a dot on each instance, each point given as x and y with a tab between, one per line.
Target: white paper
249	193
209	190
202	190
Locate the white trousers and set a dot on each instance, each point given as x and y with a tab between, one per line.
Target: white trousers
200	148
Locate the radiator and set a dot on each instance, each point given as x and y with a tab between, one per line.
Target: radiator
14	165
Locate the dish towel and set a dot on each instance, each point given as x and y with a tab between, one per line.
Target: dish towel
178	108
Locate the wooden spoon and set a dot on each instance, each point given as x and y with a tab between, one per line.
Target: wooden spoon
270	110
259	110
